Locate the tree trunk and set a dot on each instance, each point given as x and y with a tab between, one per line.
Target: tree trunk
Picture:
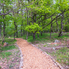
33	36
3	23
21	32
16	29
27	22
4	29
34	17
51	28
0	30
57	24
22	29
16	32
41	33
38	35
27	36
60	34
3	39
22	22
14	35
61	31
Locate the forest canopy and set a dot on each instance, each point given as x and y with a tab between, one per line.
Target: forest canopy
31	17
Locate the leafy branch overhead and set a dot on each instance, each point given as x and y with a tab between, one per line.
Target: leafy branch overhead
19	17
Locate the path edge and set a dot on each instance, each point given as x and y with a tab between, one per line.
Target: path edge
56	63
21	56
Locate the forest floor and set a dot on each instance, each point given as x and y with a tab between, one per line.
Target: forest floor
58	50
57	47
9	55
35	53
33	58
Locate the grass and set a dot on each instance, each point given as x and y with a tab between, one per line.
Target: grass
45	45
62	55
11	66
46	37
9	54
41	38
0	41
7	48
3	50
5	54
0	67
8	40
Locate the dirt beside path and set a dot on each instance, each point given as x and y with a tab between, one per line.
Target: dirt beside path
33	58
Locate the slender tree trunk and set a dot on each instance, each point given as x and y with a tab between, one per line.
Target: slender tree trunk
0	30
41	33
27	22
51	28
3	24
22	29
33	35
34	17
37	35
27	36
22	22
61	25
28	1
61	31
24	32
3	39
35	21
16	29
4	29
14	35
3	32
57	24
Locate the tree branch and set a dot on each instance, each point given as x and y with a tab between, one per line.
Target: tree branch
55	18
5	13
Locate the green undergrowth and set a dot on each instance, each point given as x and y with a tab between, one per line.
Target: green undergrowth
62	56
10	46
5	54
46	37
8	40
7	48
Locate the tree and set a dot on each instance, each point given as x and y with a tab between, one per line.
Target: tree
33	28
44	16
0	30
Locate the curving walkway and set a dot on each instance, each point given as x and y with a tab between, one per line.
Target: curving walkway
33	58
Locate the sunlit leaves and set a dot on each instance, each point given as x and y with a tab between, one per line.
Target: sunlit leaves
35	28
62	5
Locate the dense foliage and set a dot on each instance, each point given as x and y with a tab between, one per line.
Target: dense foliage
22	17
